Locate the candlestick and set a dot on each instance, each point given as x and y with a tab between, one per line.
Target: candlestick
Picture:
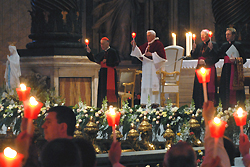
23	92
10	158
174	39
240	117
87	42
113	119
190	41
203	76
31	110
194	37
187	45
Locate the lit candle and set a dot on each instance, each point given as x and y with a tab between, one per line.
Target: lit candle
203	76
210	34
240	117
113	119
174	39
10	158
23	92
133	35
190	41
187	45
31	110
194	37
87	42
217	129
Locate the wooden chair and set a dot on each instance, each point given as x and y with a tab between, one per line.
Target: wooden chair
171	75
126	85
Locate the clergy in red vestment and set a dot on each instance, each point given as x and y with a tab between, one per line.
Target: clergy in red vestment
153	57
108	58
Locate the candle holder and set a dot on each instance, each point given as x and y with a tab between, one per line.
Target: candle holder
132	137
145	130
91	130
169	136
240	117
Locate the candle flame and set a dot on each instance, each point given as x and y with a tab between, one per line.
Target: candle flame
217	120
203	70
86	41
210	33
10	153
240	112
173	35
133	34
111	110
33	101
23	87
194	36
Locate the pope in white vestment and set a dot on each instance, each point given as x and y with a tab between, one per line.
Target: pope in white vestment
153	57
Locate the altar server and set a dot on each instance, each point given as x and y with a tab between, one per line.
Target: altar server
153	57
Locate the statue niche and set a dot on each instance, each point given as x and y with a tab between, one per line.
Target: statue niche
55	24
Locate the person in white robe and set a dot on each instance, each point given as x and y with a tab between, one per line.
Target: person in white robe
153	57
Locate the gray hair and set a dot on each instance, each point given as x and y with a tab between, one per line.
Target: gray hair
205	31
152	32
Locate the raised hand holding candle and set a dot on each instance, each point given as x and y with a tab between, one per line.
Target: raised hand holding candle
240	117
23	92
203	75
194	37
10	158
217	129
87	42
174	39
113	119
31	110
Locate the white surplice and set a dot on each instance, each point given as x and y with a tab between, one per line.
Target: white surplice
150	87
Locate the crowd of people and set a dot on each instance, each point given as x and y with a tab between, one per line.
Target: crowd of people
231	87
62	150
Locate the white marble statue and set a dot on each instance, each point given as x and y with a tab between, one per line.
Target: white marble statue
12	71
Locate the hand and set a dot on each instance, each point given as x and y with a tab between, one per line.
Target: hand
104	60
22	143
88	49
215	162
148	54
232	59
202	62
115	152
244	145
24	125
208	111
194	47
133	43
210	45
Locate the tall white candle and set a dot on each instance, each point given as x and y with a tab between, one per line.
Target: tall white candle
174	39
190	41
187	45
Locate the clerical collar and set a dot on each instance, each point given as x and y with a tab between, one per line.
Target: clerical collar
107	49
206	42
153	40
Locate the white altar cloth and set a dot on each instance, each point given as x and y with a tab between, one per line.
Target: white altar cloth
219	64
